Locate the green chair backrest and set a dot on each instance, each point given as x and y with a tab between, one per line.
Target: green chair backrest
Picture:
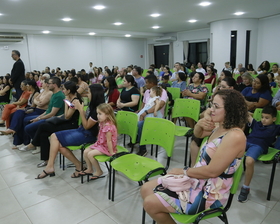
127	123
236	76
186	108
271	64
236	178
209	87
175	92
80	118
144	72
166	108
159	132
258	115
274	91
140	102
254	75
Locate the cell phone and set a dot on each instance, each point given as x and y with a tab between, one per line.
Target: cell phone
69	103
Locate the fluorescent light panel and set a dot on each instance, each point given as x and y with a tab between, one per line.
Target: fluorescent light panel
155	27
99	7
118	23
91	33
66	19
155	15
46	31
238	13
205	3
192	21
127	35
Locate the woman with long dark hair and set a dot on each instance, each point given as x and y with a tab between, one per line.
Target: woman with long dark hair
259	95
86	133
5	94
111	93
129	97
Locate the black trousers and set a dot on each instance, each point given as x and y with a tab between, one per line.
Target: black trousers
43	133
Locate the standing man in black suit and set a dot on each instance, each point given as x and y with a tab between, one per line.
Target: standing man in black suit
17	73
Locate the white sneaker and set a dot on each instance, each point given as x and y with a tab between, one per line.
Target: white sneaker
38	150
26	148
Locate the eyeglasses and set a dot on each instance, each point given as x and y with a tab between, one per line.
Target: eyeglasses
214	106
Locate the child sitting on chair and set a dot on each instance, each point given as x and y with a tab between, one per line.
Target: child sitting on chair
262	136
155	94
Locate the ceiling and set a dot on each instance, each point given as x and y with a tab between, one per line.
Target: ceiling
34	16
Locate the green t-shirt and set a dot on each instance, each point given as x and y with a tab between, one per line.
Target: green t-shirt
56	101
119	81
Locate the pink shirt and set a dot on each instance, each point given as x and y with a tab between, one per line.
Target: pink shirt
163	97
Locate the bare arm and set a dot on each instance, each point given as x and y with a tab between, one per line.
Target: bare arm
134	102
198	96
5	90
253	105
204	126
157	106
109	142
33	103
44	101
68	111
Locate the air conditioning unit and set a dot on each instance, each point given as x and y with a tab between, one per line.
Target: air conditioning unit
165	39
11	38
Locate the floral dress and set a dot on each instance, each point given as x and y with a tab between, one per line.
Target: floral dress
210	193
101	144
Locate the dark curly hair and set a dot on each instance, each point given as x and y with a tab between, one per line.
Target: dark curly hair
236	112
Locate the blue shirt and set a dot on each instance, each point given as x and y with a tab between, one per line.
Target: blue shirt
254	97
263	136
181	85
140	82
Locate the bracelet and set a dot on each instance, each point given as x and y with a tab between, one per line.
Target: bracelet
185	170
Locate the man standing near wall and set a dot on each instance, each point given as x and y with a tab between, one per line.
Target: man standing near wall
17	73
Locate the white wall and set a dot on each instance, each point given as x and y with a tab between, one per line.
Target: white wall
268	40
67	52
221	37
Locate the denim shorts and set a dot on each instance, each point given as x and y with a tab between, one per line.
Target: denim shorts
254	151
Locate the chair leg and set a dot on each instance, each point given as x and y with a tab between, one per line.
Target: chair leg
63	163
152	149
107	166
110	182
143	216
186	152
132	147
113	185
60	160
271	179
124	140
82	167
156	150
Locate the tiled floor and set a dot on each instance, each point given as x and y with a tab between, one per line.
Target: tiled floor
62	199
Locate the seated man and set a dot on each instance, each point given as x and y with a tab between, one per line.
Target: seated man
151	81
55	108
262	136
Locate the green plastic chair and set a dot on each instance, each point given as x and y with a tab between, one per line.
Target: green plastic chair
216	212
185	108
274	91
175	92
156	131
236	76
272	154
144	72
127	123
209	93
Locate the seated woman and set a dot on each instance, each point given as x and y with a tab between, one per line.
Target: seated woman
223	74
86	133
181	81
259	95
270	77
4	94
21	103
111	93
130	95
224	150
247	81
38	107
45	130
196	91
83	86
210	76
263	68
166	71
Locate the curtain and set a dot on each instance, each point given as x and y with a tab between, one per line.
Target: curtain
151	54
171	55
186	50
208	51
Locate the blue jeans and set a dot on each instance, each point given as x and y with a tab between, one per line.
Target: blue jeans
30	129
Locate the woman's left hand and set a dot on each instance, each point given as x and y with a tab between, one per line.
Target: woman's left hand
176	171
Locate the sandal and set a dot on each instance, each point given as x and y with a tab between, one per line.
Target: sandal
83	173
74	175
46	174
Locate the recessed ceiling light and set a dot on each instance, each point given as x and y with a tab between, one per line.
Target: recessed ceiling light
205	3
46	31
192	21
91	33
99	7
127	35
67	19
155	15
155	27
239	13
118	23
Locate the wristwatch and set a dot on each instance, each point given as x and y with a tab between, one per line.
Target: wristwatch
185	170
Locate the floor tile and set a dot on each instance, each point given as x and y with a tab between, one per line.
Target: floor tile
272	217
17	217
69	208
98	219
9	203
3	184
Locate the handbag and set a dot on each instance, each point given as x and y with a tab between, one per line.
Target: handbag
178	183
56	120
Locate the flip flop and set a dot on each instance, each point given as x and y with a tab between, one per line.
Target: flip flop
74	175
95	178
83	173
46	174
